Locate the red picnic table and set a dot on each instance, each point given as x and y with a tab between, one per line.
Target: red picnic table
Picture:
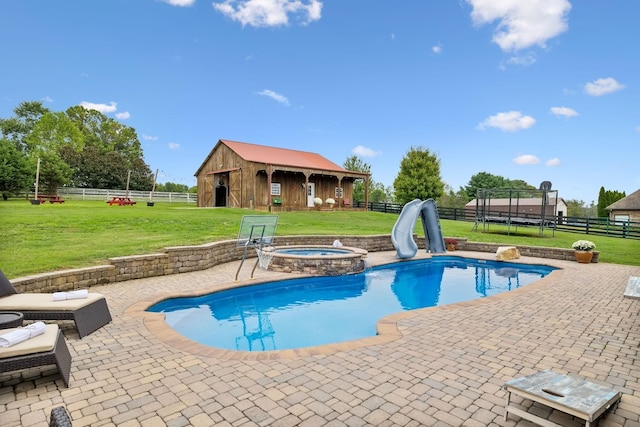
52	198
121	201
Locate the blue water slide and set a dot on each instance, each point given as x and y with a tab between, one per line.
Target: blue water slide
434	241
402	232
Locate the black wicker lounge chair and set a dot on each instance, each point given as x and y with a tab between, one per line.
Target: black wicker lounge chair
49	348
60	417
89	314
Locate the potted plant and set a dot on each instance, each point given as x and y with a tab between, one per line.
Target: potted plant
583	250
330	202
317	202
450	243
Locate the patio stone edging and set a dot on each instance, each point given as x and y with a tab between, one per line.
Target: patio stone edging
183	259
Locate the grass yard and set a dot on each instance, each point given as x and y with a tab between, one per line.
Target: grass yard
37	239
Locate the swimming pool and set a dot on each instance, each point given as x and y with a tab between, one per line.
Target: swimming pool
321	310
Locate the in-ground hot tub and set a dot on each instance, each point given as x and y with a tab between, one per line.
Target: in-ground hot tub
323	260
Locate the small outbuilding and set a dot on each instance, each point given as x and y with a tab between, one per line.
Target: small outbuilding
243	175
626	209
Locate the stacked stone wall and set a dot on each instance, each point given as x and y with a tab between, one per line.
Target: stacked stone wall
183	259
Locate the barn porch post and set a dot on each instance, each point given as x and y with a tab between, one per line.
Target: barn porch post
269	180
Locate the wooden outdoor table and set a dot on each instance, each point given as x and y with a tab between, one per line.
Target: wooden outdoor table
575	396
51	197
121	201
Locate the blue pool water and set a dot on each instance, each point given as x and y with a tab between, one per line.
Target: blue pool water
321	310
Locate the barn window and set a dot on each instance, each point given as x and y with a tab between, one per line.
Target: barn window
338	193
275	188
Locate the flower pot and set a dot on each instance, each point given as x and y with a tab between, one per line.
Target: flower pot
583	257
451	247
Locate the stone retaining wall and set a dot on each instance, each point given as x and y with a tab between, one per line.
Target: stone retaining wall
183	259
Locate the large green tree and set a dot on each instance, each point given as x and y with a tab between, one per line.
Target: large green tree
119	147
51	135
419	176
487	181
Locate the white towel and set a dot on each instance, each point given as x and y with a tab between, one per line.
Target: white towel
22	334
61	296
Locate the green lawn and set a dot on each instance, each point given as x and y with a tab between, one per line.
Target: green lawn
49	237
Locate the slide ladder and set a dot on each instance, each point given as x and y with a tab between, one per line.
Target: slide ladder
402	233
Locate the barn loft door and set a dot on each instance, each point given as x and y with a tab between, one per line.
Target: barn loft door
235	189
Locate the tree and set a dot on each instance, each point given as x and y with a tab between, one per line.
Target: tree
606	198
52	133
419	176
356	164
15	171
451	199
485	180
380	193
578	208
120	147
172	187
17	128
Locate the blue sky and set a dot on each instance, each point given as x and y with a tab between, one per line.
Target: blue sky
543	90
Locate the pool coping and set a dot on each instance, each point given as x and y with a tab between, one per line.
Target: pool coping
387	328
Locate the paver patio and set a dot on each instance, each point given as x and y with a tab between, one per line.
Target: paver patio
445	366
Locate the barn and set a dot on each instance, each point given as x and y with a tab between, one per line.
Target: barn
244	175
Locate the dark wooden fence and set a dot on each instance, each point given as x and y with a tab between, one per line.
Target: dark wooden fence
580	225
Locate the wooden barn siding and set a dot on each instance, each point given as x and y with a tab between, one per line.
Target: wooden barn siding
634	216
222	158
249	186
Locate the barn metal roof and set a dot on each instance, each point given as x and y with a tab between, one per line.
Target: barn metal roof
282	157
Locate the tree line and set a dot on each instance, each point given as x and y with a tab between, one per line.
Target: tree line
84	148
419	178
78	148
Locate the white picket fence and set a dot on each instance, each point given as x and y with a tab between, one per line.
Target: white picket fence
140	196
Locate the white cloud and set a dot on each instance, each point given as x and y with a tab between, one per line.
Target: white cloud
553	162
103	108
47	99
437	48
524	60
275	96
363	151
149	138
526	159
181	3
123	116
510	121
173	146
603	86
270	13
522	23
564	111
